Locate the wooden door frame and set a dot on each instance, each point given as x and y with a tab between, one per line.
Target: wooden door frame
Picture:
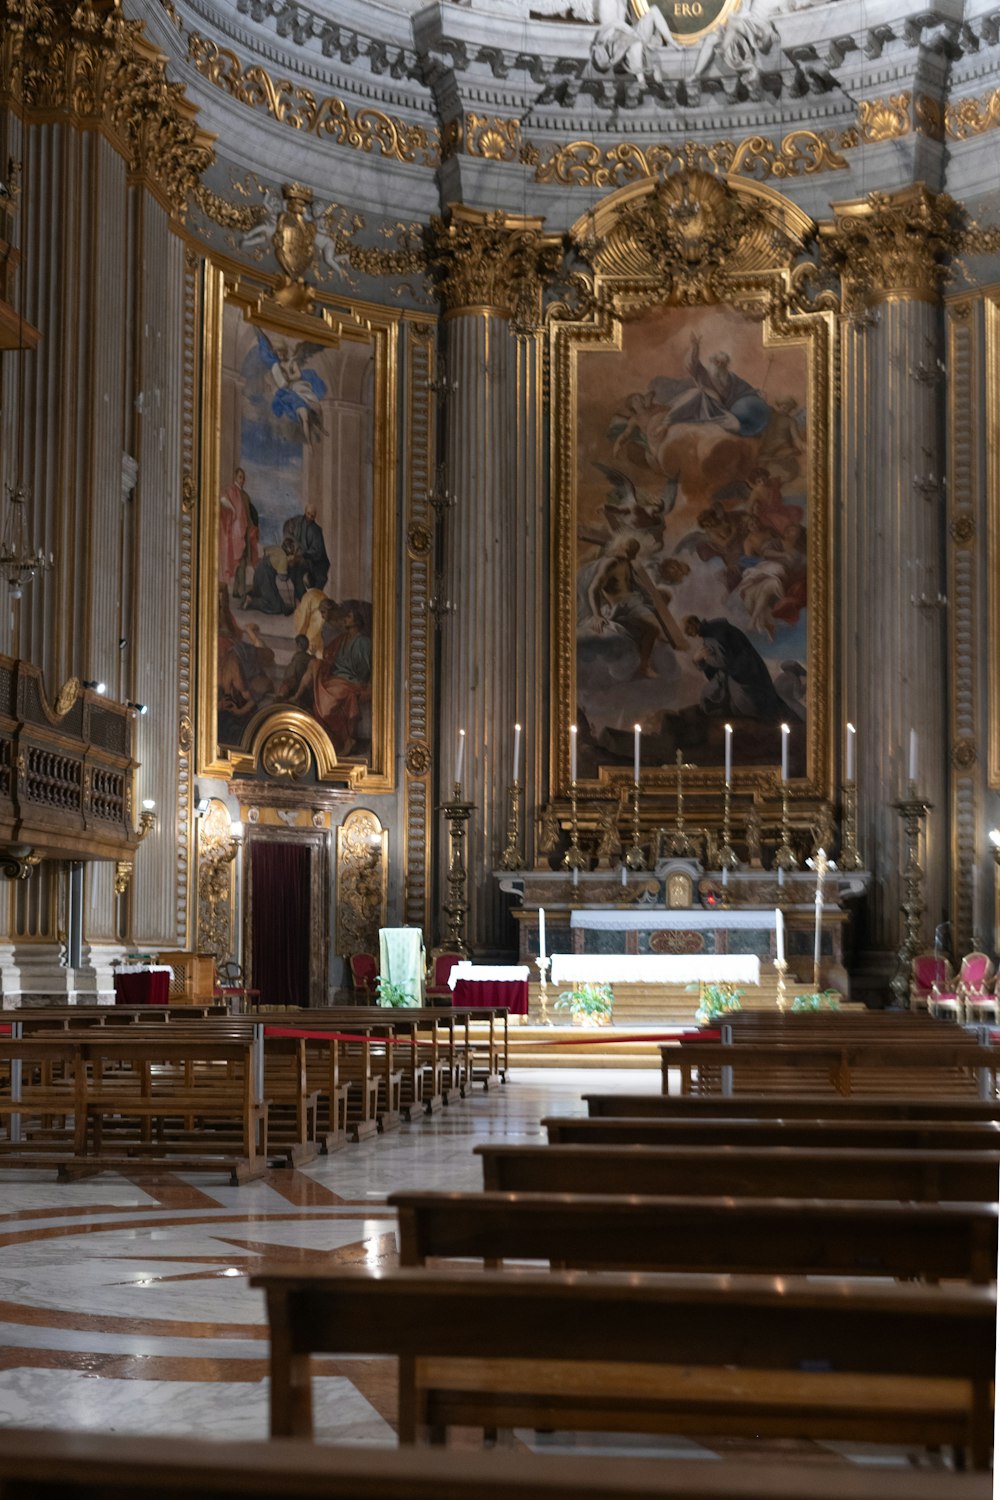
317	841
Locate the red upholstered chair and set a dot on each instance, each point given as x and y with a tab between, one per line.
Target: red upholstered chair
436	989
975	987
931	981
364	978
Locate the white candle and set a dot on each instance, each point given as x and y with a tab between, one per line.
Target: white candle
572	752
541	932
460	758
781	874
729	753
725	877
975	893
849	755
624	873
517	751
785	732
913	755
779	935
819	923
638	742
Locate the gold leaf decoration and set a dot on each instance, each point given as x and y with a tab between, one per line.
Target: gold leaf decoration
884	119
800	153
286	756
972	116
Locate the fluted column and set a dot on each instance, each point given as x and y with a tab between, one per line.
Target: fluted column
490	547
889	253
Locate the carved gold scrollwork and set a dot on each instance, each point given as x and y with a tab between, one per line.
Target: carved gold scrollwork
286	756
418	758
493	260
964	755
189	494
362	882
583	164
419	539
123	875
218	846
18	861
893	242
884	119
963	529
972	116
67	696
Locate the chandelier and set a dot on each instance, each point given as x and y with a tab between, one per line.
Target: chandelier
19	564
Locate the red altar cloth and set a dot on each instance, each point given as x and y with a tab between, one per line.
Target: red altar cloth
142	989
513	993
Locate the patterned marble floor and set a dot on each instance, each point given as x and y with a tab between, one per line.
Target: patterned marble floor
124	1305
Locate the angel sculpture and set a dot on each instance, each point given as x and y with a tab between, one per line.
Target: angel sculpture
299	390
307	240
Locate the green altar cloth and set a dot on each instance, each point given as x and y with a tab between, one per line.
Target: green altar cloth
401	960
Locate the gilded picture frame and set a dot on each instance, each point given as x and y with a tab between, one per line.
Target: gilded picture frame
635	558
297	539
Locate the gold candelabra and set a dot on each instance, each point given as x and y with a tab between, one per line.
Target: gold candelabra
912	810
679	843
511	857
728	859
850	858
456	907
574	859
784	855
543	967
635	858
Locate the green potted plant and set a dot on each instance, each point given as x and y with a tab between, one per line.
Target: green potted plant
716	1001
588	1004
393	994
821	1000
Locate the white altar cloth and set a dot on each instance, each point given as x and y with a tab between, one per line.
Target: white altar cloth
689	920
655	968
143	969
483	973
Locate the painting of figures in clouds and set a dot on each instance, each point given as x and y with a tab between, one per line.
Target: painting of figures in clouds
692	541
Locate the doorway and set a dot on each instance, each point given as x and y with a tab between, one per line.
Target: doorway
286	917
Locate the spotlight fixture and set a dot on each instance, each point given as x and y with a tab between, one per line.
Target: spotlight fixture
94	685
137	708
201	807
122	642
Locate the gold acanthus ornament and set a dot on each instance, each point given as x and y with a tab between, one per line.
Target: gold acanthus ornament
495	261
286	756
892	244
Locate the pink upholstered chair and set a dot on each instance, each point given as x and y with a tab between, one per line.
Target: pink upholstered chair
364	977
436	989
930	979
975	988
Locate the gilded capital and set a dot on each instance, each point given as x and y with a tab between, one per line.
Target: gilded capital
495	261
893	244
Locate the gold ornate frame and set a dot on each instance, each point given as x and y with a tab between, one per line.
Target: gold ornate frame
736	243
360	323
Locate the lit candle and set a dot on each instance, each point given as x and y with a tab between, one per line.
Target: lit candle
460	758
624	873
729	753
913	755
849	756
975	892
638	741
819	922
572	752
785	732
541	932
779	935
725	876
517	751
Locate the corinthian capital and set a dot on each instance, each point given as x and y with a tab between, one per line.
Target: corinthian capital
493	261
893	244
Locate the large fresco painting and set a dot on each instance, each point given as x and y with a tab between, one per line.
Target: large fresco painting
692	541
294	534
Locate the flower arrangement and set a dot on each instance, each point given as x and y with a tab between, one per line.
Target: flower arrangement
717	1001
821	1000
590	1003
393	994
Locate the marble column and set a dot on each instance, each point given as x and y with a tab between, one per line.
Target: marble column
890	580
491	543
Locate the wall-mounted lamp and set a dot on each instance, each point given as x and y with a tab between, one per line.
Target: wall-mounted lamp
201	807
147	818
995	841
94	685
137	708
123	867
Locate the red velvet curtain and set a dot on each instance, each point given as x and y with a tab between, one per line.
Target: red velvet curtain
280	924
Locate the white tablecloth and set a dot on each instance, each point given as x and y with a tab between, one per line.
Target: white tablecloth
654	968
760	918
143	969
481	973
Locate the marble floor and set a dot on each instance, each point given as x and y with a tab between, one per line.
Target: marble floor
124	1304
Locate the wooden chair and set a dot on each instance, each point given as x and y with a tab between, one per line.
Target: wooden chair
976	988
443	960
930	978
364	978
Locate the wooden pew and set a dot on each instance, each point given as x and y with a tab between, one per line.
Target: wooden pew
101	1466
912	1068
638	1352
944	1241
898	1135
743	1172
787	1107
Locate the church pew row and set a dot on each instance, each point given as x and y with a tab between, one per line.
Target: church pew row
744	1172
726	1355
960	1068
787	1106
926	1241
99	1466
900	1135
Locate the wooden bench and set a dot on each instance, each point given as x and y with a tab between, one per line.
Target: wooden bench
898	1135
911	1068
786	1106
768	1356
744	1172
945	1241
102	1466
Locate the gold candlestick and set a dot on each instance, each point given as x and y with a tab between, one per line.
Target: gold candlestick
850	858
781	966
511	857
784	855
543	965
457	905
912	811
679	842
728	859
574	859
635	859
